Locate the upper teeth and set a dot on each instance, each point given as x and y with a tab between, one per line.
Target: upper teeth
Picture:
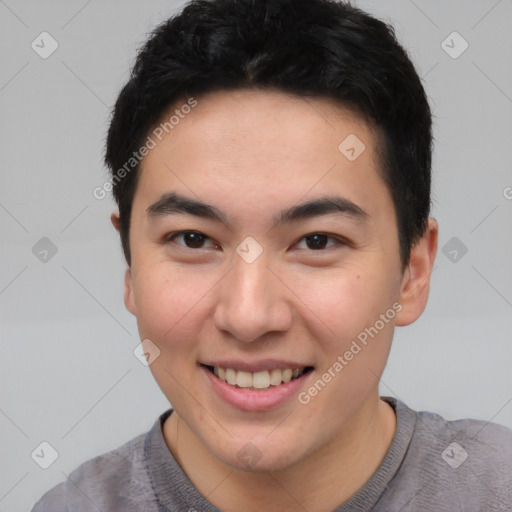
258	380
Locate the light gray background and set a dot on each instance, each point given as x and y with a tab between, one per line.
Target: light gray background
68	373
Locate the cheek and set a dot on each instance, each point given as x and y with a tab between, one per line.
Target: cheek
170	312
168	299
343	303
353	339
367	325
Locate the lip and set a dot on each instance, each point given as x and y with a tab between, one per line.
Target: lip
251	400
259	366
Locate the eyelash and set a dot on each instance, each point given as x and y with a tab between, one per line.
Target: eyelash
340	241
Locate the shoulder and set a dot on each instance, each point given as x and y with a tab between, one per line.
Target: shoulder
115	480
53	500
483	443
464	464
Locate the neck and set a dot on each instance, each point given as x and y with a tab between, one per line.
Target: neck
320	482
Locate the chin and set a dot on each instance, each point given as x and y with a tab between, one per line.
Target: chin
259	456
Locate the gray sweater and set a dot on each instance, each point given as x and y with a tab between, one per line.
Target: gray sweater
432	465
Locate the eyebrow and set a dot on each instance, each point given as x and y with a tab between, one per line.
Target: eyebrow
174	203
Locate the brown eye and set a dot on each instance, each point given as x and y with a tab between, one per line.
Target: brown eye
190	239
317	241
193	240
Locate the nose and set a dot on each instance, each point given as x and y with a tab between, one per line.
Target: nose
252	301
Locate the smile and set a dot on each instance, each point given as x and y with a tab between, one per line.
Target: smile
260	390
257	380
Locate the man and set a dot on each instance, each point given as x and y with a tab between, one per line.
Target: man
271	163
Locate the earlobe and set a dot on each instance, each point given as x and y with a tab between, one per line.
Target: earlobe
129	299
416	279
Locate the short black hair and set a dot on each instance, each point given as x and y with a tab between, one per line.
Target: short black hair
309	48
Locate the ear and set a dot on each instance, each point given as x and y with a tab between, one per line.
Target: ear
116	222
129	298
416	279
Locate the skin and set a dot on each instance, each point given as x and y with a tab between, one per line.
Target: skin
252	154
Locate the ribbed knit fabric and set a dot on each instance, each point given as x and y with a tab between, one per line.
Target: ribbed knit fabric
432	465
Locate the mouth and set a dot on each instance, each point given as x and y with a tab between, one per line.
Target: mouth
260	380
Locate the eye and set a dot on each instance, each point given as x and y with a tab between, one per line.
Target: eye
318	241
190	239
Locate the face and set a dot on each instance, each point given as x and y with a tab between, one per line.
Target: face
260	247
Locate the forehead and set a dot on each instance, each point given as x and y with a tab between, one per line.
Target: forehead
289	124
262	145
